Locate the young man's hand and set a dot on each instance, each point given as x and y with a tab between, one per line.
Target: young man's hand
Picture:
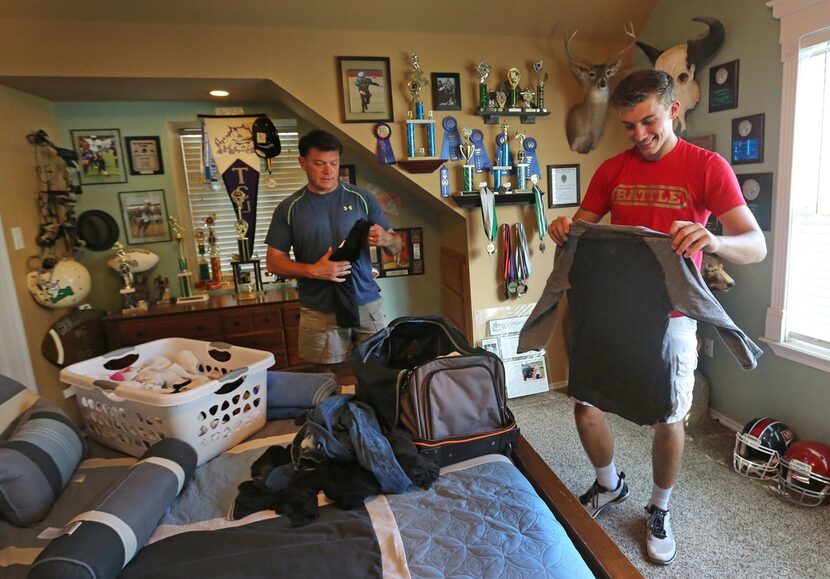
689	237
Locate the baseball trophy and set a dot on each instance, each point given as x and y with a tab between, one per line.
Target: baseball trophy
467	149
185	275
415	86
483	70
541	77
513	78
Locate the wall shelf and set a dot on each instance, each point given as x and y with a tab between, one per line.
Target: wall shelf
468	200
526	116
421	165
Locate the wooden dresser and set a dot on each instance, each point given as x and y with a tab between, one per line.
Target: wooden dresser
269	323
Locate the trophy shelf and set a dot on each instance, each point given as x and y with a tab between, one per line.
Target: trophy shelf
469	200
526	116
421	165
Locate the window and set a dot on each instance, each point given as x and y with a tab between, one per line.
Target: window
798	319
205	198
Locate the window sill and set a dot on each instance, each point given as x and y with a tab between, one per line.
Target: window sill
801	352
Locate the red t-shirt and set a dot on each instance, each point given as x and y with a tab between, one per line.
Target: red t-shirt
688	184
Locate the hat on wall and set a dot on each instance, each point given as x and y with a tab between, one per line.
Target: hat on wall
266	139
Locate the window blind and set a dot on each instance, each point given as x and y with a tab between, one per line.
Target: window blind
205	198
808	284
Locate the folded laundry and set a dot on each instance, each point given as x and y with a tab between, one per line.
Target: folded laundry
289	394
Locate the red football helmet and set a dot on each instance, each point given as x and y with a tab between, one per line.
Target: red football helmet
759	447
805	474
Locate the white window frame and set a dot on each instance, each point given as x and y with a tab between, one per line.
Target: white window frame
799	18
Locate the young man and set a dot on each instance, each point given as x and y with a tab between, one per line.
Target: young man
671	186
314	221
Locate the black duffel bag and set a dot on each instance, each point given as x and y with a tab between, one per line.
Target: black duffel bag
421	374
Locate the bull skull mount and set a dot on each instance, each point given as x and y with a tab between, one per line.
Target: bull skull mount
680	62
586	120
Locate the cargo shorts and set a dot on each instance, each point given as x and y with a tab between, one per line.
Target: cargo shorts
682	340
322	341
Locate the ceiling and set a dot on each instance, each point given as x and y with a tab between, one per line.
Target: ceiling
595	19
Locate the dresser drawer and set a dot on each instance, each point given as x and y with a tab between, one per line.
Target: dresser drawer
268	341
291	315
203	327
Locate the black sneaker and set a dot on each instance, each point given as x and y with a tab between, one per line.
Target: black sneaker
660	544
598	497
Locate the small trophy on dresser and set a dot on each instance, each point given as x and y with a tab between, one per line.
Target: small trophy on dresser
185	275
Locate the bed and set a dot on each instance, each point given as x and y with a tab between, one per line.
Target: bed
109	514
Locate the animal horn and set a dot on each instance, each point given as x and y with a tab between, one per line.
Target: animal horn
652	53
704	47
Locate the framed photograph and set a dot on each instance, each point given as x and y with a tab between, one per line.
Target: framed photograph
704	142
100	156
757	190
366	87
563	186
347	174
748	139
491	345
410	261
145	216
144	154
446	91
723	86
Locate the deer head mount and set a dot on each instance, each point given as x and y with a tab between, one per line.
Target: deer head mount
680	62
586	120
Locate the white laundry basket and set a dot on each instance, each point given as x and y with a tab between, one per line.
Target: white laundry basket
211	417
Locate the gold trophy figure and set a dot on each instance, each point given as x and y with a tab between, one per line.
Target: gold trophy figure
513	78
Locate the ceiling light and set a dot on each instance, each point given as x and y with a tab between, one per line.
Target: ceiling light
219	93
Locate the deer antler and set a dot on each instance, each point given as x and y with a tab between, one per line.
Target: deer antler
629	32
575	59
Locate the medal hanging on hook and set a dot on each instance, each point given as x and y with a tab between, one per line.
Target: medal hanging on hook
488	217
522	260
541	219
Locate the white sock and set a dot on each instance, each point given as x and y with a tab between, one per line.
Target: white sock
607	476
660	497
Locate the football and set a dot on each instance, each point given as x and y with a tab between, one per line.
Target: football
139	259
77	336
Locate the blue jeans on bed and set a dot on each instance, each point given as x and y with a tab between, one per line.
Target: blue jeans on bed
339	429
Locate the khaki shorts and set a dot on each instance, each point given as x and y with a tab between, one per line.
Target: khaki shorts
683	350
322	341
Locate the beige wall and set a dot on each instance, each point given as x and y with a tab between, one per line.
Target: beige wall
302	63
21	114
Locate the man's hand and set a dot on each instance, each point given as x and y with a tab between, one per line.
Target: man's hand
329	270
689	237
559	228
387	239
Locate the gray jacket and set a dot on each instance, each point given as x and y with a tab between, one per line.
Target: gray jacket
623	283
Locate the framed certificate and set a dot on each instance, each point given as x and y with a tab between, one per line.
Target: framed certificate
563	186
144	154
748	139
723	86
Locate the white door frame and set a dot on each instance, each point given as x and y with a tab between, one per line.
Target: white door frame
15	361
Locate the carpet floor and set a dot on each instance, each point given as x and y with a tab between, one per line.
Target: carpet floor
726	525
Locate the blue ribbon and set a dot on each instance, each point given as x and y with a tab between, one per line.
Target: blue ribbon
449	149
386	156
531	157
482	160
445	181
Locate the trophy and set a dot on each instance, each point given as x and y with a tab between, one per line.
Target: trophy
239	196
522	166
527	98
513	77
501	100
215	281
467	149
415	86
163	286
540	85
128	295
502	168
483	70
185	274
204	265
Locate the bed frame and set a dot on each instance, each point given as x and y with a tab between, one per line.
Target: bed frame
602	555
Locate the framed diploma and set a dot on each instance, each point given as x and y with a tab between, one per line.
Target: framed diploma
144	155
723	86
563	186
748	139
